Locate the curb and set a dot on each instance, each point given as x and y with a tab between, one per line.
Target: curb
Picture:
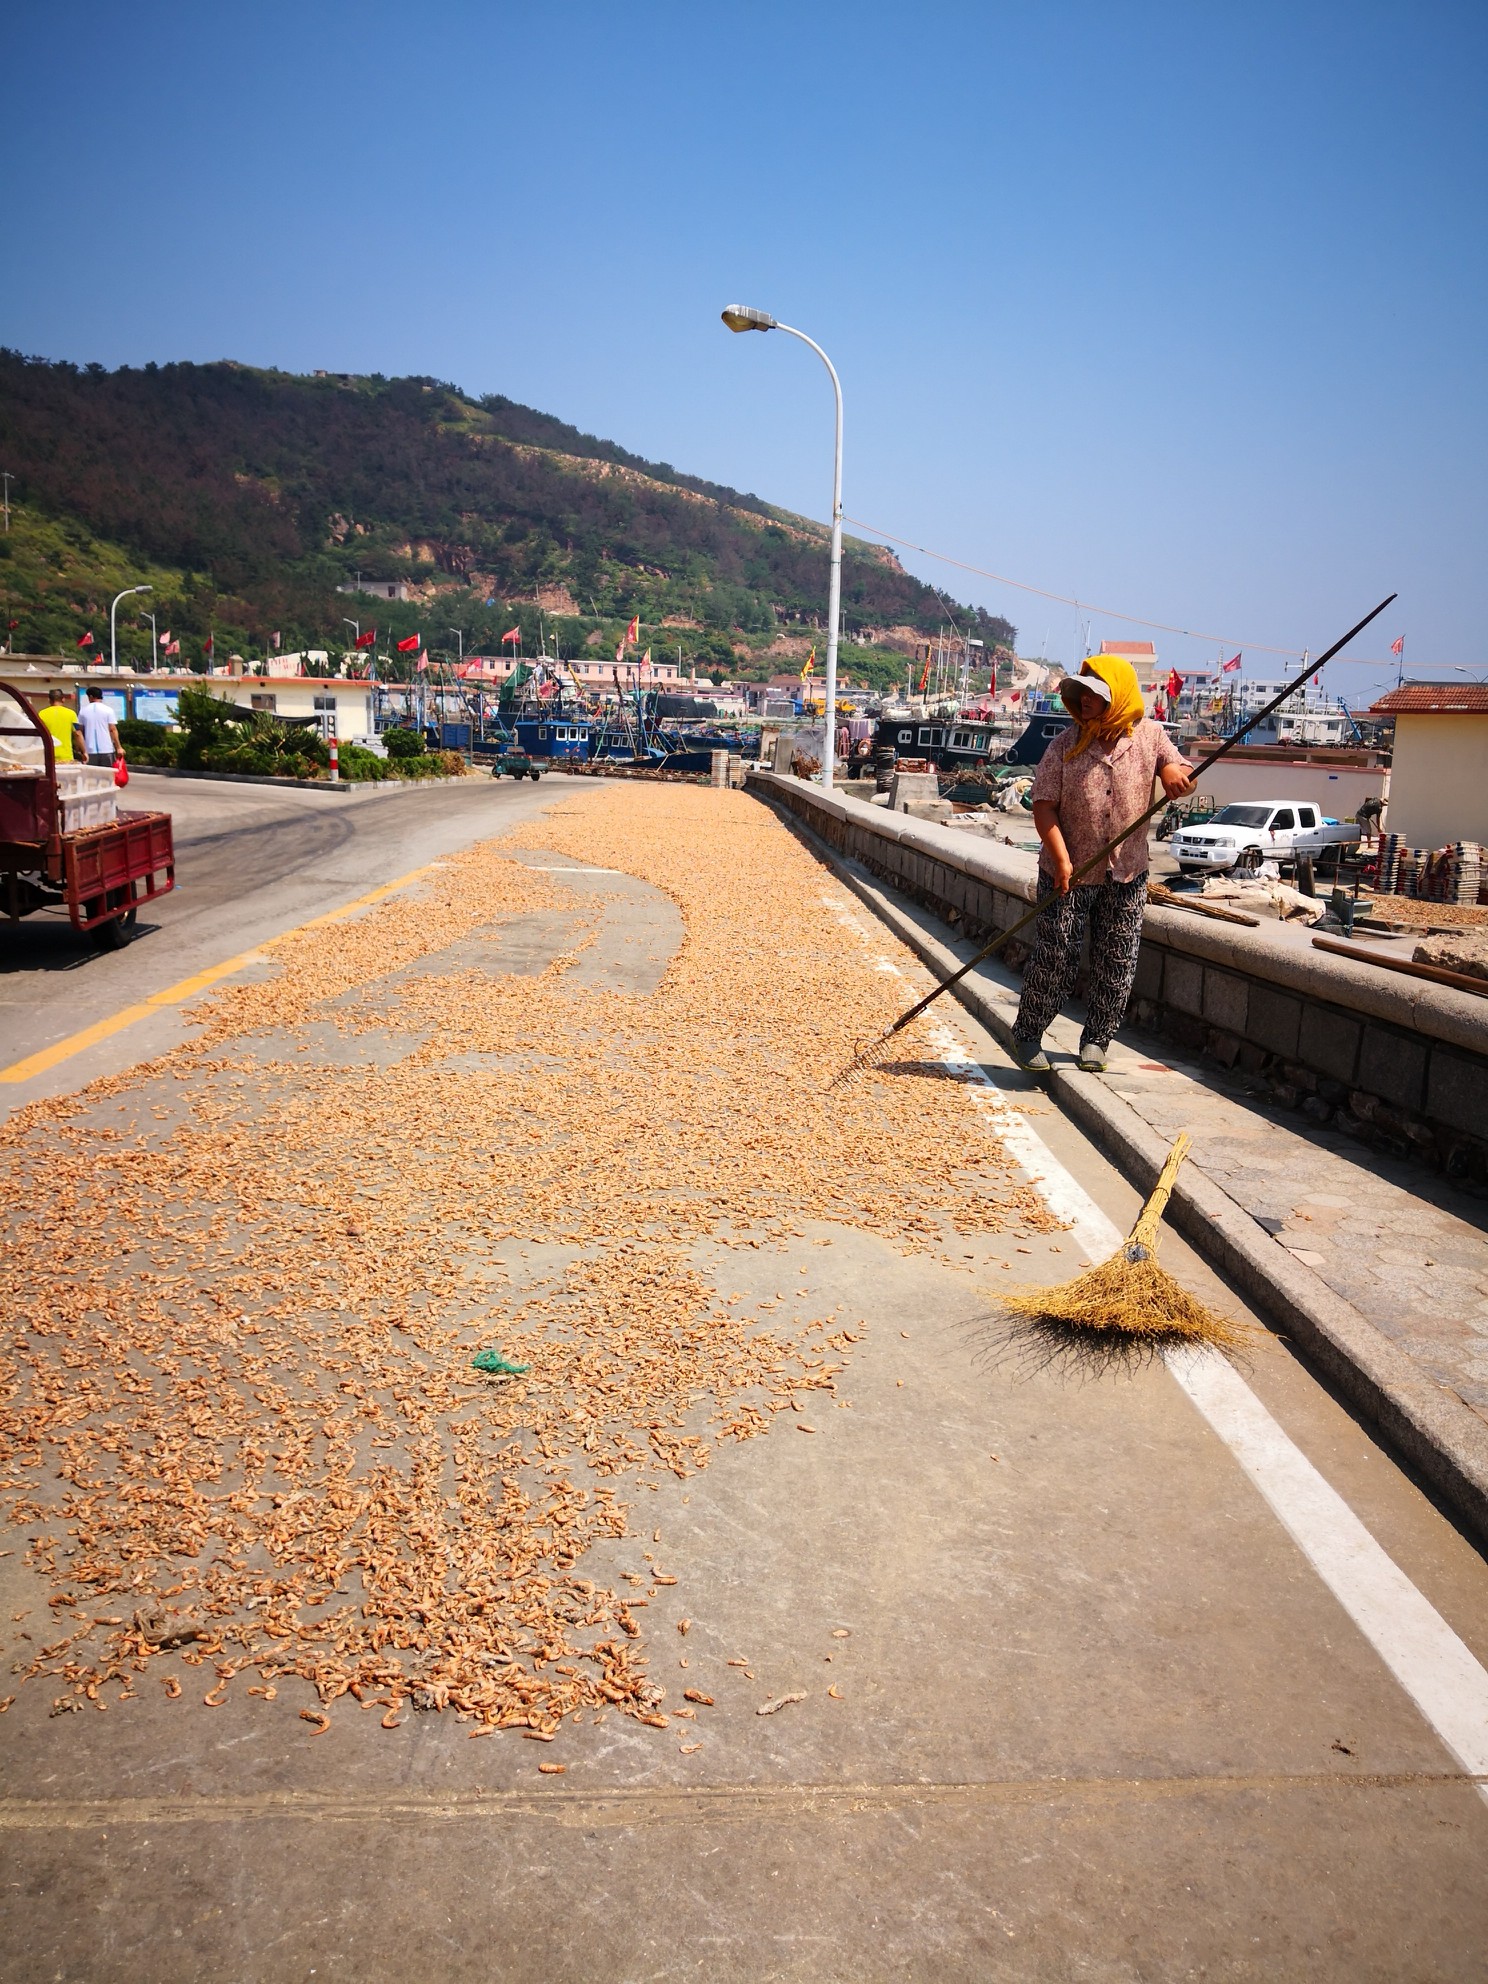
1428	1426
344	785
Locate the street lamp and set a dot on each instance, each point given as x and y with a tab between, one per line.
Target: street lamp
114	624
741	317
154	645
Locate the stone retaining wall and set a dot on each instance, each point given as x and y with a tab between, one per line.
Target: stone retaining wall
1398	1061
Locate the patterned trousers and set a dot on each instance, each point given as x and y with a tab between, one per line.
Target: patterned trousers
1114	911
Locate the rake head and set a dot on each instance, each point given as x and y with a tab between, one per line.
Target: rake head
865	1058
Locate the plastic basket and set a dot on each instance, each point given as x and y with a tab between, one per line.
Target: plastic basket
89	797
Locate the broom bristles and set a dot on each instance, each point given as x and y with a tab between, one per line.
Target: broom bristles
1129	1298
1135	1300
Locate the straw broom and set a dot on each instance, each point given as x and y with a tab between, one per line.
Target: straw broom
1129	1297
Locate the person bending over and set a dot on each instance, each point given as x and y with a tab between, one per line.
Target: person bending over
1092	780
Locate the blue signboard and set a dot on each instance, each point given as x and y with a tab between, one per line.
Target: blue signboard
155	705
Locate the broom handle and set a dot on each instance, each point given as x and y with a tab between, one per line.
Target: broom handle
1150	1218
1103	854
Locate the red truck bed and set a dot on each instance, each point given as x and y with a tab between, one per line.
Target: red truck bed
101	873
106	869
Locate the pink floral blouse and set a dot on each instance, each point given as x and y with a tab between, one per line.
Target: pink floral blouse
1098	792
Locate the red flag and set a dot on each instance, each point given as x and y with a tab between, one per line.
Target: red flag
513	634
12	624
423	660
1398	647
87	640
1230	666
174	648
1175	685
926	676
207	645
367	640
633	631
1015	695
408	646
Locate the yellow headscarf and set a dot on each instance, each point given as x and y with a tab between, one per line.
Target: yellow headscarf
1125	709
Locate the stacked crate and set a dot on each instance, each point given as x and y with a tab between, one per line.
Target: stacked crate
1450	874
1465	871
1389	864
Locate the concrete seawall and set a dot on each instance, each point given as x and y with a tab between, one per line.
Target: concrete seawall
1400	1062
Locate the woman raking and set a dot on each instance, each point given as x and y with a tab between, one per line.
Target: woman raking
1093	779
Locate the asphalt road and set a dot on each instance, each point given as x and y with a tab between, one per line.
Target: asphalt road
1103	1711
251	861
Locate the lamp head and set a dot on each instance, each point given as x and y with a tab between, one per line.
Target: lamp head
741	317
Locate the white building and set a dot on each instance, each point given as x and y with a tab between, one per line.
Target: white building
378	588
1438	791
588	672
342	707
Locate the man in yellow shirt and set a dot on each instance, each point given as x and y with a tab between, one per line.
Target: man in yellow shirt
61	719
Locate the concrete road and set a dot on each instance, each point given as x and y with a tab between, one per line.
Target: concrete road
1118	1696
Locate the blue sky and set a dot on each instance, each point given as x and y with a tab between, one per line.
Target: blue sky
1179	309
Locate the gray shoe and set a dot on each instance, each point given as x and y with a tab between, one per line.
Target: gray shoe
1032	1060
1092	1057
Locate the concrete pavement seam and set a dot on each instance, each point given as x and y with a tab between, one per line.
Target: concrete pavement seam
1441	1437
688	1803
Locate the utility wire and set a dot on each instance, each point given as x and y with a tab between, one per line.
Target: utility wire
1064	599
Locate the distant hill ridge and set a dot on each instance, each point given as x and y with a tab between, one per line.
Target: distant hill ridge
250	495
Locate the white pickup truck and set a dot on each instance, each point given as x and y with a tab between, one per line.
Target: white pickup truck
1248	832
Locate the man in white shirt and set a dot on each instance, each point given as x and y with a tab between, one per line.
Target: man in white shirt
100	733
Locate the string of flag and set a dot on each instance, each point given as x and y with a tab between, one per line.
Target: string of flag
1065	599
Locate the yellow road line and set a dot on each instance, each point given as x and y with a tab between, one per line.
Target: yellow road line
187	988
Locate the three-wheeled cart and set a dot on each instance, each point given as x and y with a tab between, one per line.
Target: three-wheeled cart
514	762
59	847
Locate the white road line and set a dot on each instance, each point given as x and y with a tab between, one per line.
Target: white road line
1420	1649
1093	1233
1431	1663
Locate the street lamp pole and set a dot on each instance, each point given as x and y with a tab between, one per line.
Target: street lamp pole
741	317
114	623
153	649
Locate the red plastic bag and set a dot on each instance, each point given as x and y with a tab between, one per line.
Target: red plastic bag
121	770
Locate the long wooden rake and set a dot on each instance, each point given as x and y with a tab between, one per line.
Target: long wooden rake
873	1053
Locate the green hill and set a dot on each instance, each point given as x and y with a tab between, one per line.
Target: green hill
246	497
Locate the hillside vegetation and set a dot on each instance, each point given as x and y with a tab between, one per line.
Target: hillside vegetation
246	497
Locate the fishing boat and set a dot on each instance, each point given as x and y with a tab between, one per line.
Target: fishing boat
968	749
